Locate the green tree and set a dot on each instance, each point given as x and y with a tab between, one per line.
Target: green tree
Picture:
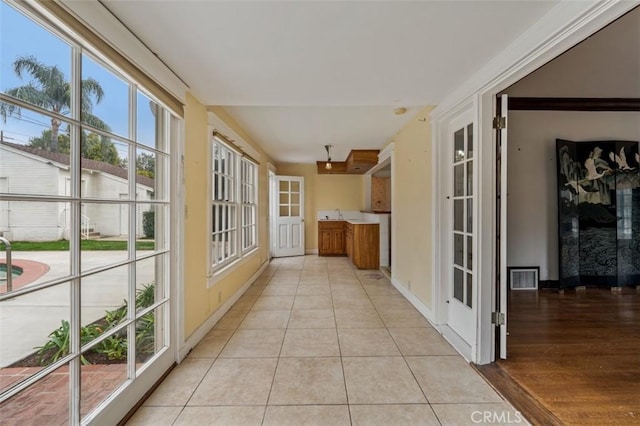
44	140
146	165
100	148
94	146
48	89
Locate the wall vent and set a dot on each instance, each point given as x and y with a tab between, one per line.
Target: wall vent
524	278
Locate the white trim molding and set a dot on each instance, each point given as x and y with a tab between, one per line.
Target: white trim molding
386	152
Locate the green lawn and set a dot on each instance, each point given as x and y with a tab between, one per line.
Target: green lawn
63	245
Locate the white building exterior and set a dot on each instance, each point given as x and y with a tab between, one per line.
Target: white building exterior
32	171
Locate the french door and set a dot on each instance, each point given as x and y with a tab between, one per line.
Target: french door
462	280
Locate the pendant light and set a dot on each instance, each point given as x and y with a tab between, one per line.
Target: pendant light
328	149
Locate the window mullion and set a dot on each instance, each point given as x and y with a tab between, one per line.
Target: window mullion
131	237
74	237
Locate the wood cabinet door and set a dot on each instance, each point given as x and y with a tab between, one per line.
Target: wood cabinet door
337	240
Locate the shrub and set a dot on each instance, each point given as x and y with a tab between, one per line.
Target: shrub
115	346
58	344
149	224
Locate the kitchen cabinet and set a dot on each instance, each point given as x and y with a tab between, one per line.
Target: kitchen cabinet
331	238
362	244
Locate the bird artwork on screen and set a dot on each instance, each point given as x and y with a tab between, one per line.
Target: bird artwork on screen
598	212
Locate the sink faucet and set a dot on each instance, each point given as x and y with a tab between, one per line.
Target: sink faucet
339	214
7	249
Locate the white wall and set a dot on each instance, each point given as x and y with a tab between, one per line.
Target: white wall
532	197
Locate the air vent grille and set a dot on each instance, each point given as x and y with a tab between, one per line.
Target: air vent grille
523	278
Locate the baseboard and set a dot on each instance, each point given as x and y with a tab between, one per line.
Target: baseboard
206	327
424	310
549	284
458	343
311	251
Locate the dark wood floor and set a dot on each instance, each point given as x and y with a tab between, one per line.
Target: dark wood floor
577	353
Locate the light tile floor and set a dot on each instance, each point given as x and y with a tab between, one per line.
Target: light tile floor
316	342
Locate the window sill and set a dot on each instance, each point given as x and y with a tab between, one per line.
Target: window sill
218	275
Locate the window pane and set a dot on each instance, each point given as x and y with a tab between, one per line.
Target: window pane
458	146
470	178
295	186
458	180
469	294
284	185
40	411
105	98
470	215
104	299
148	164
149	122
458	249
105	173
295	211
284	198
150	233
458	215
104	230
470	141
458	284
44	62
150	334
284	211
470	253
27	145
39	232
295	198
145	175
149	281
99	381
46	315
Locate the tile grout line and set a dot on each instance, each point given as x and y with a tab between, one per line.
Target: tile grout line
275	371
344	376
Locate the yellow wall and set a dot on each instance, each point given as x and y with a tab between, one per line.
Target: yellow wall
323	192
202	301
411	207
344	192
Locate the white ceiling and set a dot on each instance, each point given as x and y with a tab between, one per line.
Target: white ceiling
301	74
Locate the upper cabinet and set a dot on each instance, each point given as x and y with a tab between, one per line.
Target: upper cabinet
358	162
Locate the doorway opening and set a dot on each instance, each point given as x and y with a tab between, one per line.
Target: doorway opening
579	332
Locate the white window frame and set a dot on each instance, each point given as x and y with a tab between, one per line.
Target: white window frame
167	136
249	204
234	183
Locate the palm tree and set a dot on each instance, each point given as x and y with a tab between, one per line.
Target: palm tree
48	89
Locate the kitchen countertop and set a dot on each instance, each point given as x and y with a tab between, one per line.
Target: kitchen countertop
361	222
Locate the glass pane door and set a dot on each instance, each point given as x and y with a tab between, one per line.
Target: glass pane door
463	215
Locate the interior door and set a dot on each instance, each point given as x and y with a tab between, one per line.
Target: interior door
501	222
462	277
289	219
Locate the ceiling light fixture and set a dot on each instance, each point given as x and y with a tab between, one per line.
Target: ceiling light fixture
328	149
399	110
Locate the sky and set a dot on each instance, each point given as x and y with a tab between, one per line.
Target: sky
19	36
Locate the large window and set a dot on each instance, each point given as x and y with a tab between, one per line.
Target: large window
84	202
233	204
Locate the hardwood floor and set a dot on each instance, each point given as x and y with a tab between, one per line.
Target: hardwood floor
577	353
